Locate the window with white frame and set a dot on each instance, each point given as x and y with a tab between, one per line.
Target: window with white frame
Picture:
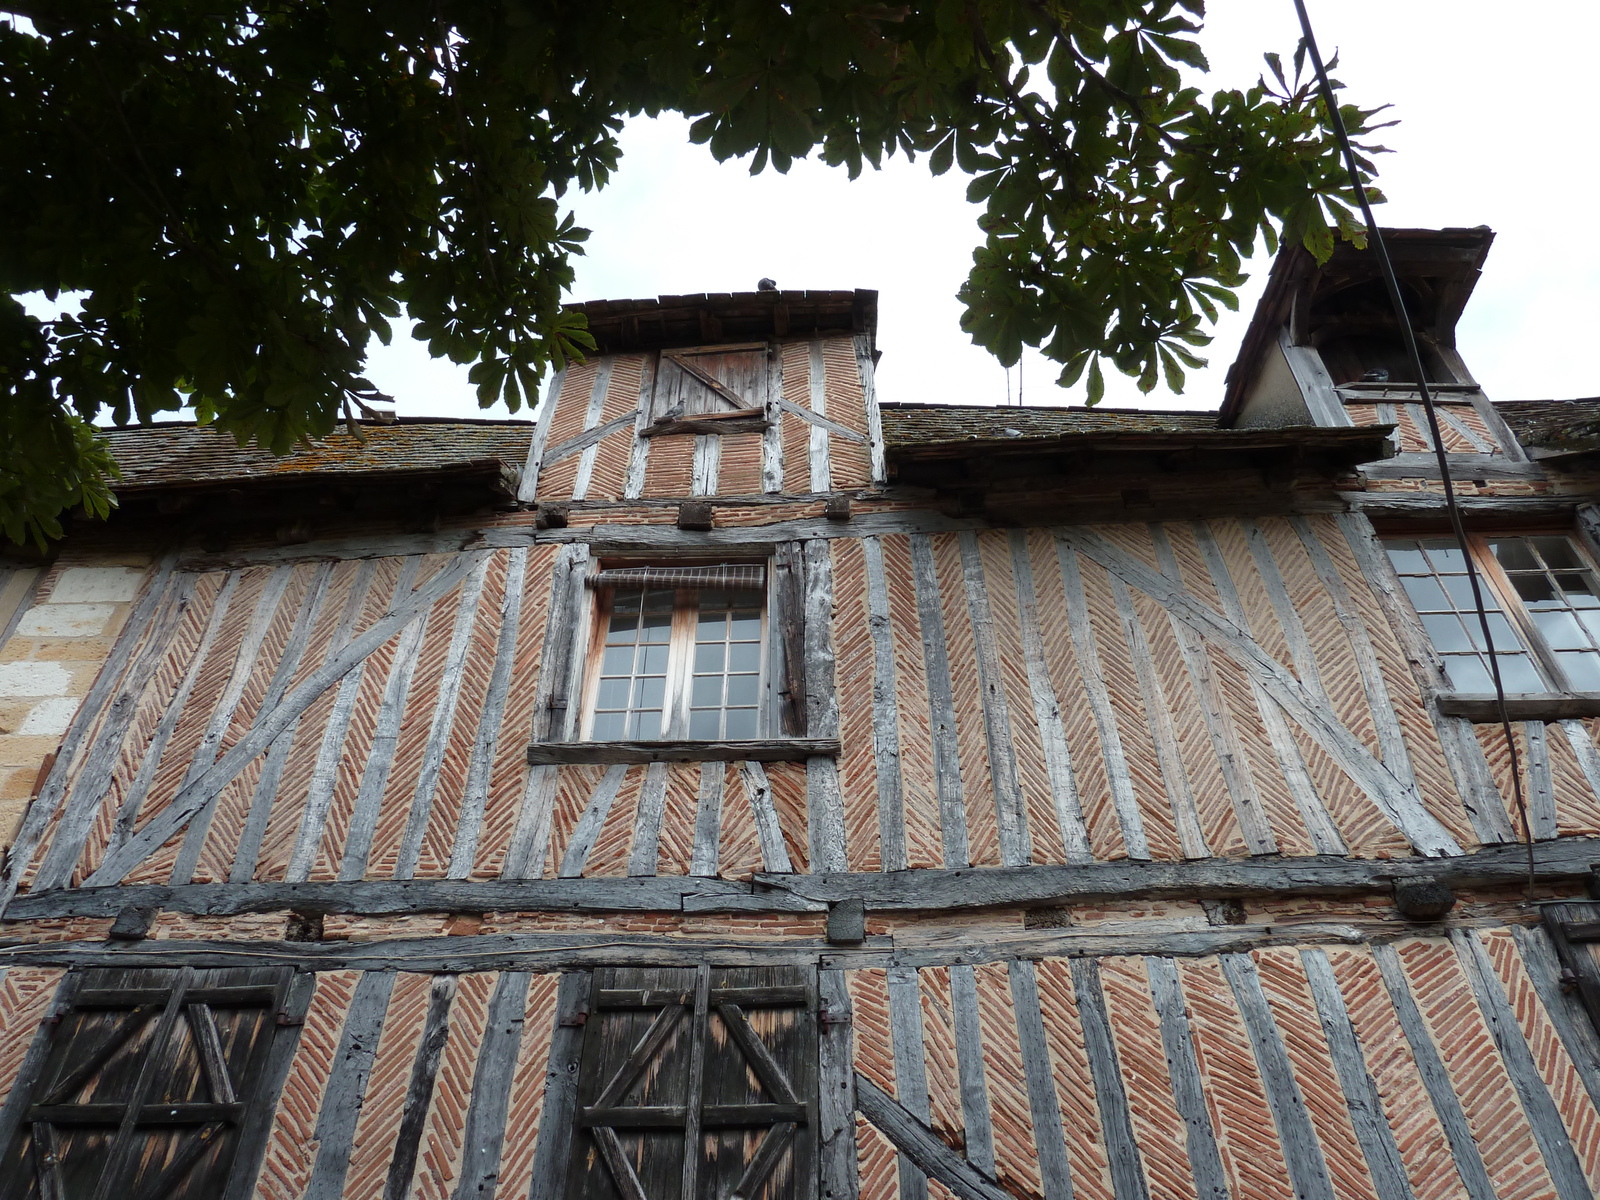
679	653
1542	596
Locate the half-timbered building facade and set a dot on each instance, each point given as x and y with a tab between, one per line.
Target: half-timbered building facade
729	786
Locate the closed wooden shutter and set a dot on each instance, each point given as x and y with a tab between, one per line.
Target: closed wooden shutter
697	1084
144	1085
1575	930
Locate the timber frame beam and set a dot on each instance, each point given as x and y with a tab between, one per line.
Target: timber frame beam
928	890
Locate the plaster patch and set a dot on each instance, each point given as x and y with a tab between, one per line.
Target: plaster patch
49	718
34	679
65	620
79	585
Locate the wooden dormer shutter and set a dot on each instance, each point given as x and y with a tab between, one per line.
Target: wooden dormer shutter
700	380
697	1084
144	1085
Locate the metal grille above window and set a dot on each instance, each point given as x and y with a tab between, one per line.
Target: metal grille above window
144	1086
697	1084
736	577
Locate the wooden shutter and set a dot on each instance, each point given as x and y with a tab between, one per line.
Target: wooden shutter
697	1084
699	380
143	1086
1575	930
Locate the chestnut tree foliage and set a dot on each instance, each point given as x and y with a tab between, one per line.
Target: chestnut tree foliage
246	192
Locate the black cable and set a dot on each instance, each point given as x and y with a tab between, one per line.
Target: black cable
1451	505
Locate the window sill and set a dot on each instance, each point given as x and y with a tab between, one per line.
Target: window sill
1557	706
754	750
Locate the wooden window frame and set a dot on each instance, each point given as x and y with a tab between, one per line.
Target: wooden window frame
680	657
1557	700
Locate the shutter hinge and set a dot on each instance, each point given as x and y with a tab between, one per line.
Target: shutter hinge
556	704
581	1017
284	1019
827	1016
1569	981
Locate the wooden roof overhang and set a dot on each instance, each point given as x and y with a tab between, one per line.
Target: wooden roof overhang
1138	474
619	326
1438	267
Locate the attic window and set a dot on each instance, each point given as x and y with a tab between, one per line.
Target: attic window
1355	330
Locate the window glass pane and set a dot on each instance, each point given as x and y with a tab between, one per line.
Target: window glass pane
617	660
744	656
652	690
612	693
743	689
1561	629
1425	592
1459	589
645	727
707	691
1534	589
1557	552
704	722
1444	555
1582	671
746	626
1445	632
708	656
741	723
1468	674
657	627
1580	589
1515	554
610	727
1519	675
1405	555
653	659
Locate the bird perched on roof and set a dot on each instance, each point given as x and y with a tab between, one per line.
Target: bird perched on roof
767	285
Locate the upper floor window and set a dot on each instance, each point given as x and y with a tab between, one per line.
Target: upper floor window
679	652
1542	595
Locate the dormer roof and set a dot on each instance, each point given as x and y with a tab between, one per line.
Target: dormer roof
619	326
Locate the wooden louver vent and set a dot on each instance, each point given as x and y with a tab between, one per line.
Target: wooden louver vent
697	1085
144	1082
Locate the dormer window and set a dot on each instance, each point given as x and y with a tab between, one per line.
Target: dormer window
1355	330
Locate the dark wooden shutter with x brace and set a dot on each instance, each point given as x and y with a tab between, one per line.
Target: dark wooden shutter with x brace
144	1085
697	1084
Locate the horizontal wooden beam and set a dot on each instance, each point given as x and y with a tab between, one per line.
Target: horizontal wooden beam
1214	878
1484	708
766	750
1413	504
393	897
933	890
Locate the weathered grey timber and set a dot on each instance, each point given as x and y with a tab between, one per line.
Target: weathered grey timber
1123	797
257	1126
707	462
589	824
639	456
447	695
528	491
646	848
941	706
33	1061
1411	504
1485	709
974	1086
530	840
772	436
748	539
821	469
1157	712
769	832
1578	1034
910	1066
824	803
922	1146
704	857
561	1089
1218	718
754	749
140	787
1324	834
1401	803
1043	1104
1316	385
347	1084
586	439
818	421
1188	1089
1544	1118
866	364
1011	817
1122	1148
268	725
591	420
928	889
1541	792
885	714
324	773
836	1096
1361	1097
1302	1152
1468	1162
380	758
565	623
484	1133
419	1093
135	633
475	796
1423	465
1463	754
1046	711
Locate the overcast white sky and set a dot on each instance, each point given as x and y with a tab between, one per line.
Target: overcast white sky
1497	109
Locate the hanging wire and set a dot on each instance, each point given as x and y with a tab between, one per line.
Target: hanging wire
1386	266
